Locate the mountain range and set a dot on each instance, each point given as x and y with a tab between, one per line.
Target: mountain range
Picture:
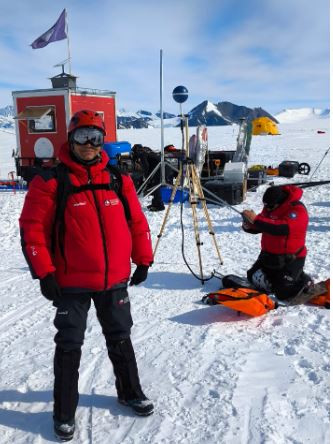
207	113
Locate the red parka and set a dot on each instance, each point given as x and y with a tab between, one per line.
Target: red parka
99	242
284	229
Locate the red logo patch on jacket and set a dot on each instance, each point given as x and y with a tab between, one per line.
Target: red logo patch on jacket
109	202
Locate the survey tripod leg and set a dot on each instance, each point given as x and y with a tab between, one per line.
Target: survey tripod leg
197	186
194	202
172	197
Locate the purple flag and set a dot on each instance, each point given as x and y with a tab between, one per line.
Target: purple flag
57	32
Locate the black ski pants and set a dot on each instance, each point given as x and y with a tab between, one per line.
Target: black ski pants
114	315
287	281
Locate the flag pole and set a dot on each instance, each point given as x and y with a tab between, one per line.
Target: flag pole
68	47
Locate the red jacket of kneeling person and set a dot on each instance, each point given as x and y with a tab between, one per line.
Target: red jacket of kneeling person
283	228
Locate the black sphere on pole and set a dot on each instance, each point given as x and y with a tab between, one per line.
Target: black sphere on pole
180	94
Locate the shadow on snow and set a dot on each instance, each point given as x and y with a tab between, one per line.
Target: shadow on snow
40	423
209	315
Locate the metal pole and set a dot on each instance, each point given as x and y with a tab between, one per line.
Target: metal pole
68	47
161	116
319	164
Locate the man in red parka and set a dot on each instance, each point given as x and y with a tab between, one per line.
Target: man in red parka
84	255
283	223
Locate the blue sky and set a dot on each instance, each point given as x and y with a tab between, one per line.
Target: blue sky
268	53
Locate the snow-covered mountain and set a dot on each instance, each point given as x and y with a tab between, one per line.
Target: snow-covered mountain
223	113
207	113
142	119
299	114
7	111
7	122
234	113
6	117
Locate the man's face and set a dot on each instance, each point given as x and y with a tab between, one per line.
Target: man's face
87	142
86	152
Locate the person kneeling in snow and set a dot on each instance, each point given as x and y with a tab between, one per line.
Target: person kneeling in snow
283	223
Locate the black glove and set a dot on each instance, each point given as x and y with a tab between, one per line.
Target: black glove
50	288
139	275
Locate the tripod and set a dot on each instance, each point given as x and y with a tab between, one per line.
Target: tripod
192	182
159	168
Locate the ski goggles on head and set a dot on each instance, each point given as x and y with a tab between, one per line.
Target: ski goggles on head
83	136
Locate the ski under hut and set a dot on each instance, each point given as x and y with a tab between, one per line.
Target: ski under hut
42	116
263	126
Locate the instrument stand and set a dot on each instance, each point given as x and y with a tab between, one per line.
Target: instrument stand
191	180
159	167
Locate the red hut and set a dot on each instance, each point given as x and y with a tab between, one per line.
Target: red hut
42	116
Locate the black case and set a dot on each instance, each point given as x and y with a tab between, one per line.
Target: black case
288	168
256	178
232	193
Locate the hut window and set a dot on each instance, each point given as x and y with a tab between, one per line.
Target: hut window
45	123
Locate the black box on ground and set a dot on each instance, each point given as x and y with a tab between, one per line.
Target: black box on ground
288	168
232	193
255	178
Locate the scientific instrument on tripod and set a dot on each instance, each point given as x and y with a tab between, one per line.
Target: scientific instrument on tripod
189	178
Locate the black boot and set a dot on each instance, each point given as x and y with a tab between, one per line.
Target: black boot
157	203
142	407
66	377
64	430
128	386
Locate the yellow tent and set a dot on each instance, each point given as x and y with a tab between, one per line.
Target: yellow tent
263	126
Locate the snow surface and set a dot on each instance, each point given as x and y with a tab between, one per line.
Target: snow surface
300	114
215	377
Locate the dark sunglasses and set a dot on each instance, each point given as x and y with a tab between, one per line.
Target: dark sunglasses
83	136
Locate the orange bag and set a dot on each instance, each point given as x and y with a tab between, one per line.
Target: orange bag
323	299
245	300
272	171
